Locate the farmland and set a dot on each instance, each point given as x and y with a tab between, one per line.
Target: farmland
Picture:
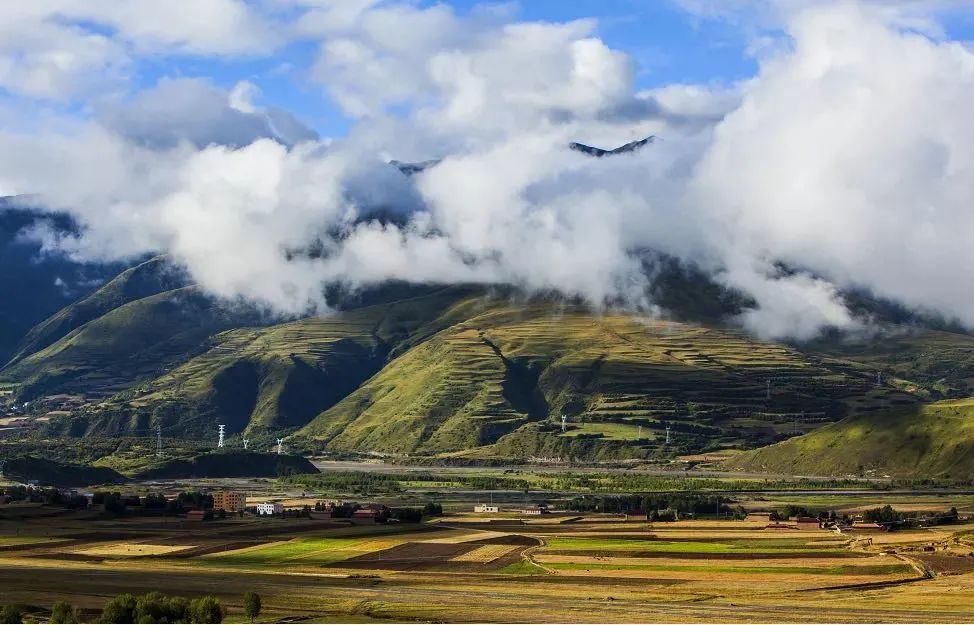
590	567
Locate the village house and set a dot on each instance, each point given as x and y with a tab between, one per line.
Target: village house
483	508
229	501
808	523
269	508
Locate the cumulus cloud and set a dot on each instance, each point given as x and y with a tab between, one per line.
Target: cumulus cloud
844	163
195	110
56	49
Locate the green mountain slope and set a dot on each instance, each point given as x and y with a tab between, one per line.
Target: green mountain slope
933	440
276	377
498	382
136	340
149	278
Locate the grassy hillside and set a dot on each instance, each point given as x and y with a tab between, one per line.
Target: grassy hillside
276	377
138	339
498	382
933	440
149	278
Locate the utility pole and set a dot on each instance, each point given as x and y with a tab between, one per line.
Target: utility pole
280	446
158	441
222	427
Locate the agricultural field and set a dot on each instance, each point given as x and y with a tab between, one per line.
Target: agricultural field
563	567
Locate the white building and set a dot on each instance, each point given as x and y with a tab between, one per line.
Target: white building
483	508
264	509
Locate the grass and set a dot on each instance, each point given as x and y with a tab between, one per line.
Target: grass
6	541
299	551
866	570
930	441
688	546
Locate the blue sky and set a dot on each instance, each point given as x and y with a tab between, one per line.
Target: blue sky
666	43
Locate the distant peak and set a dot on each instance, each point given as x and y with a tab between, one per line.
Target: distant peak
411	169
632	146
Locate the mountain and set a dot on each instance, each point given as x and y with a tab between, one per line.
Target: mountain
632	146
413	168
933	440
467	371
138	339
149	278
34	283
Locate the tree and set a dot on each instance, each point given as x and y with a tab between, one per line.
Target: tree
251	601
12	614
120	609
206	610
62	612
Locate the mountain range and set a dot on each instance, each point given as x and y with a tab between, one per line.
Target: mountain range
470	372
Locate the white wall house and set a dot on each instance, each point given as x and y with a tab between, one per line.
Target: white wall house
269	508
485	509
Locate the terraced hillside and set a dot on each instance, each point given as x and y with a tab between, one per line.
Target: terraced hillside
138	339
275	377
498	383
463	371
933	440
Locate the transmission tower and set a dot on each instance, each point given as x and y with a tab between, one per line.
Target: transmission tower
222	427
280	446
564	422
768	392
667	435
639	433
245	442
879	378
159	441
2	462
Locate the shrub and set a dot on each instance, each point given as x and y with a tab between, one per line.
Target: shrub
120	609
12	614
251	601
62	612
206	610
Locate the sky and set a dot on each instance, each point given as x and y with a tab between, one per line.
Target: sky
804	147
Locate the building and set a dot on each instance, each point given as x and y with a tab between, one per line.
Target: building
364	516
270	508
758	517
808	523
483	508
195	515
229	501
863	526
535	510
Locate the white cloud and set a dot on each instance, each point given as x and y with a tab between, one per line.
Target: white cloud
847	158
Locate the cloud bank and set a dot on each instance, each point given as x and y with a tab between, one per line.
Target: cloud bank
848	159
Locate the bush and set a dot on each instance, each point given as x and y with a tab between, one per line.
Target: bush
12	614
62	612
251	601
120	609
206	610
